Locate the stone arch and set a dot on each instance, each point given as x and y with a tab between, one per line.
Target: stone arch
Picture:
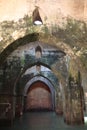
50	40
22	72
47	39
24	69
44	80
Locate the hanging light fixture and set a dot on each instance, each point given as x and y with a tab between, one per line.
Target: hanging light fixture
36	17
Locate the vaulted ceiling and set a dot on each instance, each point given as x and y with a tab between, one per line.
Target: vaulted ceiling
64	26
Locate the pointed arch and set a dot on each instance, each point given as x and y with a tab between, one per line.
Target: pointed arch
44	80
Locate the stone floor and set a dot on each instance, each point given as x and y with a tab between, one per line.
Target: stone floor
41	121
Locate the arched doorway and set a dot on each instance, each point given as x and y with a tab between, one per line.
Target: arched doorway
42	87
39	97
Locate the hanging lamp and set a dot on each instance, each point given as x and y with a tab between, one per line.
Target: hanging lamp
36	17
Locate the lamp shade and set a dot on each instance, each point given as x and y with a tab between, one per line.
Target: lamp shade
36	17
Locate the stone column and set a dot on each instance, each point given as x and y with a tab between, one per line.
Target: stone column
13	103
59	103
74	112
19	105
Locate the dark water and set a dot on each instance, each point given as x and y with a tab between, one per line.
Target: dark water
41	121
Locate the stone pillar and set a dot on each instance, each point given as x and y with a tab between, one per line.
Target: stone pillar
13	105
19	105
66	108
59	103
12	111
74	112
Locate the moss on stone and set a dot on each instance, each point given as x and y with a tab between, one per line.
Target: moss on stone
14	34
73	33
15	44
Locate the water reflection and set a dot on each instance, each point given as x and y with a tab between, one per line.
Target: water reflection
42	121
